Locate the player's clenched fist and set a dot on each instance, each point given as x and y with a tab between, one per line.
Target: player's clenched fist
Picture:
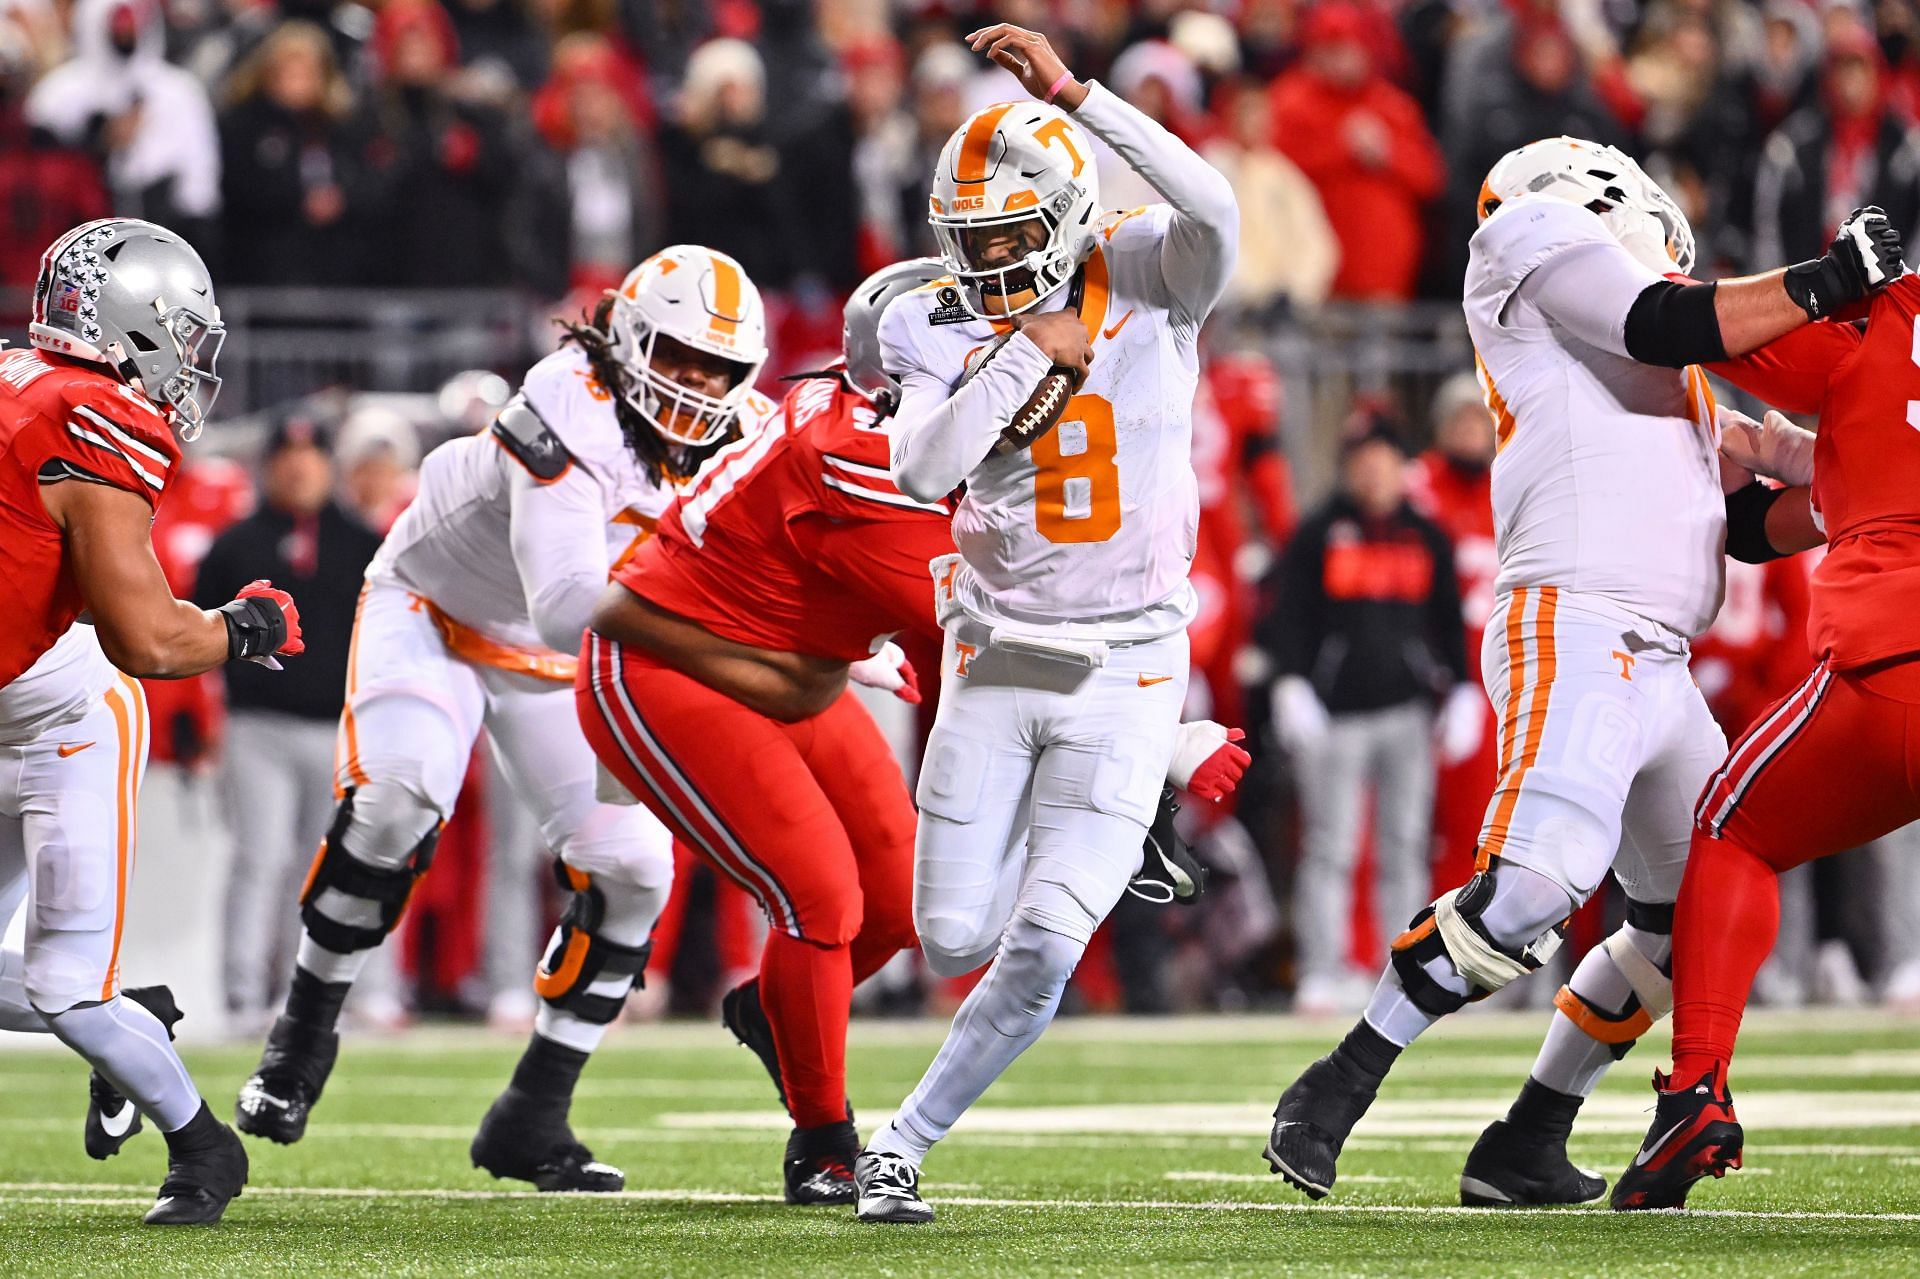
262	621
1866	255
1062	337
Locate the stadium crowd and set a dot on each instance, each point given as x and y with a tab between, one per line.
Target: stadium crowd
548	145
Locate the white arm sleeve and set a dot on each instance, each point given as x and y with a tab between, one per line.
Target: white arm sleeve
1197	255
1588	289
559	536
940	435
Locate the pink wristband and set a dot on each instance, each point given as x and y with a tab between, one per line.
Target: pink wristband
1053	90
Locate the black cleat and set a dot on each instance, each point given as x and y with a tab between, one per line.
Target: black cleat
201	1182
889	1191
1169	872
1694	1135
1312	1121
275	1102
522	1139
1510	1166
819	1164
111	1118
741	1013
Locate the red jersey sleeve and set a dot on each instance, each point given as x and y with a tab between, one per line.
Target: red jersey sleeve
1791	372
102	434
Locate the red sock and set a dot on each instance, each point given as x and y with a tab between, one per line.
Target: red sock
807	991
1724	926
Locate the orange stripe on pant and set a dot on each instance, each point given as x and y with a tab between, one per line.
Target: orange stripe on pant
347	751
1538	693
129	719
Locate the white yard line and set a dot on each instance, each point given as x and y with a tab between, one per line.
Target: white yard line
62	1192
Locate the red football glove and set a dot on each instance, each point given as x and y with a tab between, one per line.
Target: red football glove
262	620
1206	763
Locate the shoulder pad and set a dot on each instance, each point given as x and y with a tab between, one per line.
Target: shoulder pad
524	434
1524	233
757	413
575	406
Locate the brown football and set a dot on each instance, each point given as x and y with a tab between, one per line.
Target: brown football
1041	412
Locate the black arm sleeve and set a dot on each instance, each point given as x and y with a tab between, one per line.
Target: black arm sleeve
1747	508
1674	325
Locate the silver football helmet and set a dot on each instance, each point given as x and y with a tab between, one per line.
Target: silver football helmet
136	298
860	329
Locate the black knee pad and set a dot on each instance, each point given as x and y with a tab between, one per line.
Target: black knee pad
580	958
1412	951
335	867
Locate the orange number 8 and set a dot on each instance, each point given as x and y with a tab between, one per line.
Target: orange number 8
1077	495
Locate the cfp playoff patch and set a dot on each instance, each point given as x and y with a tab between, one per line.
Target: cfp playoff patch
948	309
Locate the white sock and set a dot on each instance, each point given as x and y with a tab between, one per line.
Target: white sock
127	1044
330	965
16	1011
1572	1061
1003	1016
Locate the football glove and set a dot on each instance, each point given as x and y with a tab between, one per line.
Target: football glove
1207	763
1865	257
890	671
262	621
1773	447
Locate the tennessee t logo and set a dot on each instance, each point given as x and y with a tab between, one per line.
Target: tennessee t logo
963	660
1626	664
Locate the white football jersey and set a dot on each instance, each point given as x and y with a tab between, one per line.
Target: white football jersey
1607	477
1099	517
455	544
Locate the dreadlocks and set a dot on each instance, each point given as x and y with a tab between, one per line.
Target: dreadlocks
664	460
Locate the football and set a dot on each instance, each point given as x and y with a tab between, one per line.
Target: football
1040	412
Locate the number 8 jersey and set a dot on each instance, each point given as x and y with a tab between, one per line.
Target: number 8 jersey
1095	524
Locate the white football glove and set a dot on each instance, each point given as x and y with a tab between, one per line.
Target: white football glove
890	671
1774	447
1298	716
1207	761
1461	724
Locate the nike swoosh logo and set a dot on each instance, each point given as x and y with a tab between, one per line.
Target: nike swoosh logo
1148	681
1648	1152
65	751
1113	330
116	1125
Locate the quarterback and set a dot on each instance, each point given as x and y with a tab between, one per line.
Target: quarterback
1065	612
1612	519
124	337
472	609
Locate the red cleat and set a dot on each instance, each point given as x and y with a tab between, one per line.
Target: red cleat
1694	1135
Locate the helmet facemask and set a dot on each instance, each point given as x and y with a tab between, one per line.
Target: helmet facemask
680	413
1008	264
191	390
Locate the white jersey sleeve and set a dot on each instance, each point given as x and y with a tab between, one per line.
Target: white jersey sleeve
559	538
1200	239
1545	258
940	434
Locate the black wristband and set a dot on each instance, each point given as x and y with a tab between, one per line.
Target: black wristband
256	627
1823	286
1747	508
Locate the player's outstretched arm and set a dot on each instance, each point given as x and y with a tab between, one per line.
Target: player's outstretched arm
1865	256
143	629
1198	253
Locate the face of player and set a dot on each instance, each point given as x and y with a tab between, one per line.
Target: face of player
698	371
1004	244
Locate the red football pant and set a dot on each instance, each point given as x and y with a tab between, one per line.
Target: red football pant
812	818
1833	765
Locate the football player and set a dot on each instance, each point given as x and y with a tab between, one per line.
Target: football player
1612	519
1065	660
1830	766
124	337
472	609
714	689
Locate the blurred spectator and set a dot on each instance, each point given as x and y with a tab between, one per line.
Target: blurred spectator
1288	252
470	201
1452	485
500	36
1365	637
885	158
150	121
379	460
1850	150
1364	146
1163	83
297	201
722	171
278	765
45	187
588	114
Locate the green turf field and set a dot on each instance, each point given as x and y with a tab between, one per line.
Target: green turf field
1115	1146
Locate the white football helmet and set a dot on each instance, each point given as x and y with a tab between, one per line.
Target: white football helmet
1641	216
1022	167
700	298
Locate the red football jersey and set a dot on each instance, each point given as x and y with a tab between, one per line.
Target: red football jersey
59	417
1865	385
797	540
